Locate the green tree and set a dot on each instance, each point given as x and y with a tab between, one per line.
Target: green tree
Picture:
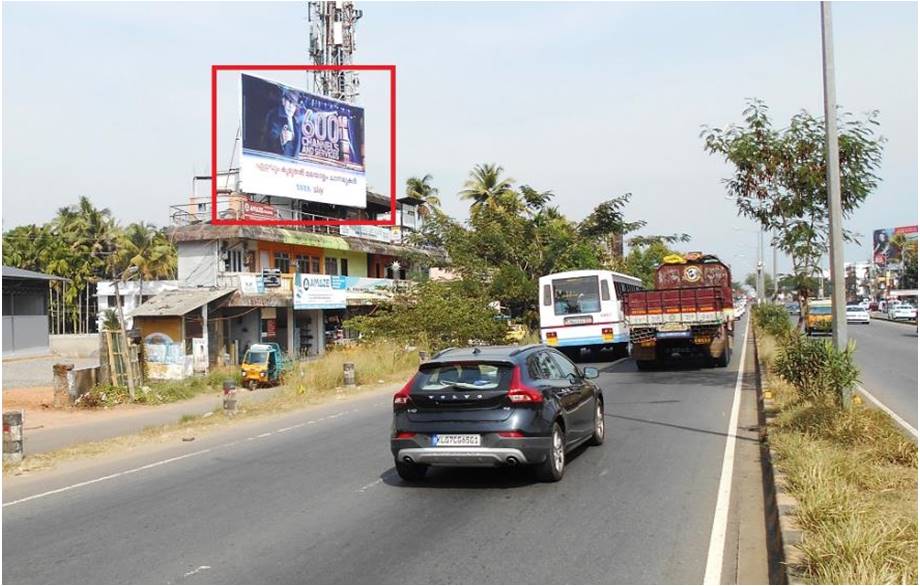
779	176
435	315
486	186
421	188
908	248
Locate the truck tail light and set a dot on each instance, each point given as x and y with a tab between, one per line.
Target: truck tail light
521	393
401	398
607	333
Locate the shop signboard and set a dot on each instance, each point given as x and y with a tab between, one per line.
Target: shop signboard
318	292
253	210
271	278
378	233
251	284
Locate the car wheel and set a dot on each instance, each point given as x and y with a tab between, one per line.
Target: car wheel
600	429
411	472
552	469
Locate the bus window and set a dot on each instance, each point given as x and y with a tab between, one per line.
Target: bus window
605	290
547	295
576	295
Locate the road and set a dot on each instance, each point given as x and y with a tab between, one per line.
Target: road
886	353
312	497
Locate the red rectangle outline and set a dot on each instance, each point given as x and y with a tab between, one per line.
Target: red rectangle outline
218	222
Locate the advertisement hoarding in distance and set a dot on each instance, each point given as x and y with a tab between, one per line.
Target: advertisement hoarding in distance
885	254
301	145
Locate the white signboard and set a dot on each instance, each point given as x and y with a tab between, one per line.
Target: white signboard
378	233
317	292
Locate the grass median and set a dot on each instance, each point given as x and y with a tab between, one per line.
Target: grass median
854	473
309	383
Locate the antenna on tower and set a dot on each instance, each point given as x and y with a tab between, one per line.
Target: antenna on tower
332	42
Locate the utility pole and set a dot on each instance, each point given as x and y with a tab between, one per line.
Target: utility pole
838	287
761	294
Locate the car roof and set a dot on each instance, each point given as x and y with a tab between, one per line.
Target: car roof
484	353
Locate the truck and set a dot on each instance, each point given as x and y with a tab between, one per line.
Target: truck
689	313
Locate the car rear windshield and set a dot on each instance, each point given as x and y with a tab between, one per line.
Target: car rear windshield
576	295
821	310
466	375
256	357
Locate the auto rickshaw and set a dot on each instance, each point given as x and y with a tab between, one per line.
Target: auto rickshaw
263	364
819	317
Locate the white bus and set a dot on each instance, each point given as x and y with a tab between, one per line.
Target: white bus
584	309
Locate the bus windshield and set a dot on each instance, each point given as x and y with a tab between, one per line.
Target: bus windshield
576	295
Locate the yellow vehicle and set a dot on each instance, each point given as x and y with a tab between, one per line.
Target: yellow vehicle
819	317
516	333
263	364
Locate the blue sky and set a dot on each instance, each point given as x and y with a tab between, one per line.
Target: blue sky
589	100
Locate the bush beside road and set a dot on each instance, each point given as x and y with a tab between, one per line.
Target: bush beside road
852	470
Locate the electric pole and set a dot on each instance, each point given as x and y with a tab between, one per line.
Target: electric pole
838	287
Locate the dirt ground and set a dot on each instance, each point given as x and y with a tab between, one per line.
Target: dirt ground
37	405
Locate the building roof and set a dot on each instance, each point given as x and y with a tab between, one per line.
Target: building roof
14	273
179	302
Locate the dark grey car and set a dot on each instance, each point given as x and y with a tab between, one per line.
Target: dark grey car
495	406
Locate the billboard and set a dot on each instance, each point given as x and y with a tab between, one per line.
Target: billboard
318	292
300	145
884	253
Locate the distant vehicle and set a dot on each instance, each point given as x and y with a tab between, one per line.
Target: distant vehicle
495	406
820	318
740	305
793	308
690	313
583	309
903	311
864	304
873	306
857	314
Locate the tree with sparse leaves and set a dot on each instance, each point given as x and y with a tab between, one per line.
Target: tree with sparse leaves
780	177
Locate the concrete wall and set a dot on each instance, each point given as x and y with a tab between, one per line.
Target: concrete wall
198	263
75	345
25	334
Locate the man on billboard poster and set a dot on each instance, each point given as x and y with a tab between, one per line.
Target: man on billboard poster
283	130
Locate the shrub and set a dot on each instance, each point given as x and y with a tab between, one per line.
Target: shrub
816	369
773	319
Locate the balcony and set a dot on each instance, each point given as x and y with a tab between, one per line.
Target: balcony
239	207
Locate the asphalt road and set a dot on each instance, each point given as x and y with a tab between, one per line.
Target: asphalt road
887	355
313	498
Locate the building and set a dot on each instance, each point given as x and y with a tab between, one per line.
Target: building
133	294
238	284
25	312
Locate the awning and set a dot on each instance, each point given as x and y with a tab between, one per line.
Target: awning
179	302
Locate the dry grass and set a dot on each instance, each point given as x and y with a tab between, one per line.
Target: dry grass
311	383
854	474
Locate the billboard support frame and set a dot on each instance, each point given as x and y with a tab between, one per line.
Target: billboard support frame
391	69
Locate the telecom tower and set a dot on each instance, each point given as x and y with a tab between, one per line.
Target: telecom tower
332	42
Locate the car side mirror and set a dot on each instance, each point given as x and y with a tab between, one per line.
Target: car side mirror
591	372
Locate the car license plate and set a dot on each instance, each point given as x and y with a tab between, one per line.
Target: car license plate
459	439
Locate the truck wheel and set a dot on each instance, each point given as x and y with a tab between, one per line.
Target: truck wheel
726	357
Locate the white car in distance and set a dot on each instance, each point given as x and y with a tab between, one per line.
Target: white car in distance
857	314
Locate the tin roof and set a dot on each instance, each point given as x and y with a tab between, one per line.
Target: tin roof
179	302
14	273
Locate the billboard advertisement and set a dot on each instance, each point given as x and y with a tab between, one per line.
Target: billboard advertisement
300	145
884	253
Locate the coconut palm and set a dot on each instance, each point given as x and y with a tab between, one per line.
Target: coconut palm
421	188
486	186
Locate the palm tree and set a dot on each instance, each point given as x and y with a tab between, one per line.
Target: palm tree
143	246
423	189
486	186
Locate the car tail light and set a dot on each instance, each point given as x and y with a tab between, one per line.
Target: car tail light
404	435
401	398
521	393
510	434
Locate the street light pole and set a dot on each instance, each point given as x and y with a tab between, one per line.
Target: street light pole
838	289
761	293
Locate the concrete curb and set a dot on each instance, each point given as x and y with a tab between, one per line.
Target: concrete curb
781	505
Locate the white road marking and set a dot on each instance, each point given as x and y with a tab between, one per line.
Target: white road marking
713	573
266	434
372	484
196	570
107	477
290	427
898	419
